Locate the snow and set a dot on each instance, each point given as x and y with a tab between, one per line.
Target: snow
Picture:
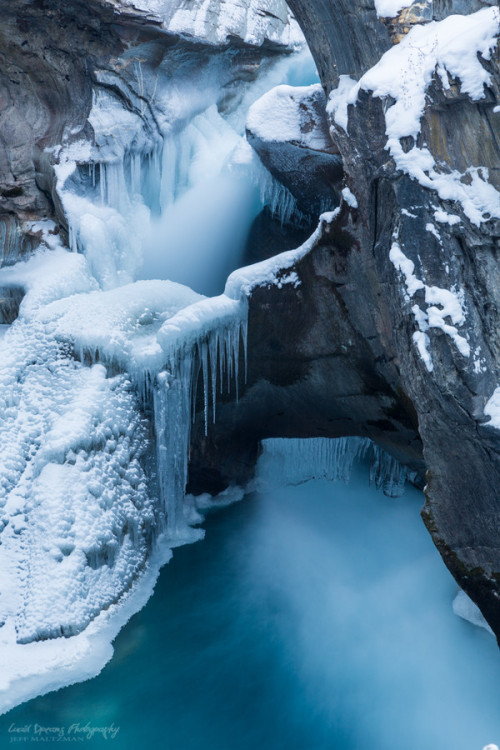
429	227
451	47
407	268
340	98
441	304
443	217
279	116
119	326
32	669
77	511
388	8
73	493
349	198
291	115
405	212
274	271
492	409
422	342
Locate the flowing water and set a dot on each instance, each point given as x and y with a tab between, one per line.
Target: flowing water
313	617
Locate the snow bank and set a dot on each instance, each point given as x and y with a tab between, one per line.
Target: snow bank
275	270
76	516
278	116
452	48
120	326
78	513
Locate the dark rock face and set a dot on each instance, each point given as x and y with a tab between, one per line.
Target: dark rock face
345	37
462	453
314	369
45	95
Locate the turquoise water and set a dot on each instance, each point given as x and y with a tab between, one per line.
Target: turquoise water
315	617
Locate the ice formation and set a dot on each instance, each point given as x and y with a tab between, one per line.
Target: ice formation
297	460
206	337
451	48
465	608
97	361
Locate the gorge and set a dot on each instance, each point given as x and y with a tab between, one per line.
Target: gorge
146	155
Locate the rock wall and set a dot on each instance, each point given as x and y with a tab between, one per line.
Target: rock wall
55	54
449	395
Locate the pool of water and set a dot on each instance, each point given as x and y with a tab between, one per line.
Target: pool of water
312	617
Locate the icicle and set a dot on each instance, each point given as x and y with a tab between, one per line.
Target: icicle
175	398
213	349
172	407
203	353
301	459
387	473
244	330
102	182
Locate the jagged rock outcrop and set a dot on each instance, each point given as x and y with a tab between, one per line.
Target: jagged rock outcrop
256	23
295	146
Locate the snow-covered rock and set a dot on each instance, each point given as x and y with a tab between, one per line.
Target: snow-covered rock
288	129
256	22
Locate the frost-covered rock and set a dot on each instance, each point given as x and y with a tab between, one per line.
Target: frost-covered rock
255	22
85	494
77	516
